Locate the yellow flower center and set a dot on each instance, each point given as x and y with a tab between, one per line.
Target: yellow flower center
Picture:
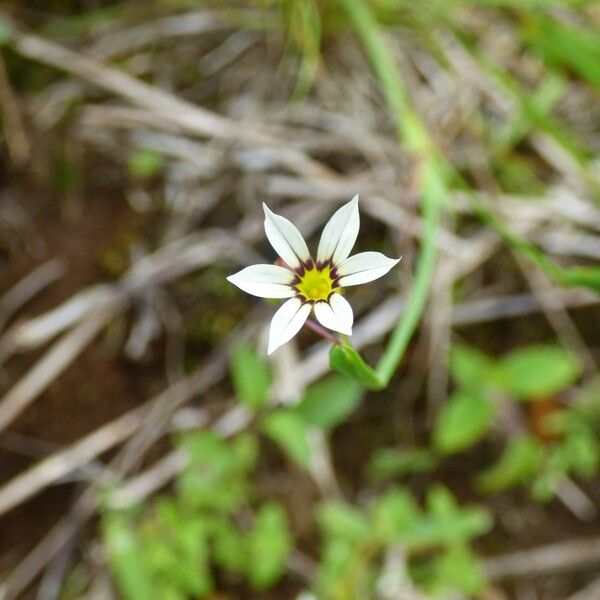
316	284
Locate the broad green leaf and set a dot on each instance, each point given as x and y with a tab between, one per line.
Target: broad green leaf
440	501
123	551
343	570
430	532
268	546
518	464
583	449
330	402
228	545
446	523
174	546
537	371
470	368
341	520
394	462
290	431
458	569
347	361
394	513
251	377
216	476
462	421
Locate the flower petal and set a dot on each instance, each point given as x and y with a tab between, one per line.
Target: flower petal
364	267
285	239
340	233
286	322
335	314
265	281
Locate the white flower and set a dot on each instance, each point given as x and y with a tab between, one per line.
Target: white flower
312	284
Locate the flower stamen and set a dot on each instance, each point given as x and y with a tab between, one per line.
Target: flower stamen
316	284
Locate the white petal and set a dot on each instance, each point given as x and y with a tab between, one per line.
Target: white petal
364	267
265	281
285	239
340	233
286	322
335	314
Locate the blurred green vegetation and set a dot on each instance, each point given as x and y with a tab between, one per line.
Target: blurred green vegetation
175	543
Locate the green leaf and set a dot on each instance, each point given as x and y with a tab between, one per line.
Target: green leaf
583	450
462	421
289	430
330	402
394	462
559	44
216	476
440	501
123	551
343	569
344	521
588	277
347	361
458	569
396	517
446	524
469	367
394	513
537	371
174	546
251	377
269	544
518	464
228	545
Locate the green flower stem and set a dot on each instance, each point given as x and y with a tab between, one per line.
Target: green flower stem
432	195
413	134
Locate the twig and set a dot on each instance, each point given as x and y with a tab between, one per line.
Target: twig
321	465
589	592
194	119
168	263
63	462
135	38
38	330
28	287
572	555
54	362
